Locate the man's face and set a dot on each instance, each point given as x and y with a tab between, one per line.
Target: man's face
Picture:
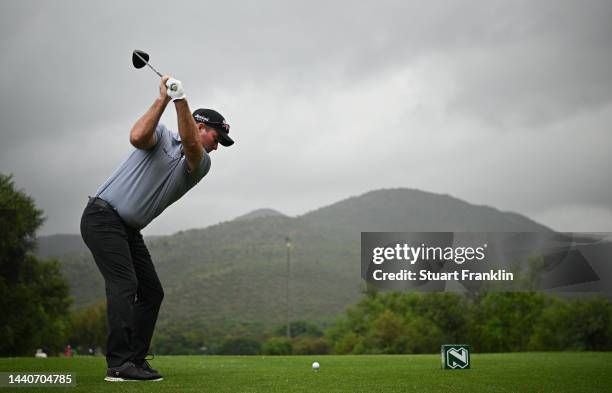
209	137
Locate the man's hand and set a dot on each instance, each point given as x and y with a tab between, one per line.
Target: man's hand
174	89
163	89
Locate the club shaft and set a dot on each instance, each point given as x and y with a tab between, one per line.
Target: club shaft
147	63
154	70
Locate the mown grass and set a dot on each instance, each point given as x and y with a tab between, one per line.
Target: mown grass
515	372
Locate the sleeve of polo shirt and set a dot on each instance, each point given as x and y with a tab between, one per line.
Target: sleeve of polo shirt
159	132
200	171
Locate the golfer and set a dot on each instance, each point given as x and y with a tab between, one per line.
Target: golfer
161	168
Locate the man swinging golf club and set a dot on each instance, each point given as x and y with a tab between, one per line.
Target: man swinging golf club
161	168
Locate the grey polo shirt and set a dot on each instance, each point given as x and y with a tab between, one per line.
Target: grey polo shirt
149	181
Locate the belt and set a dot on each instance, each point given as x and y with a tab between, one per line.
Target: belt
95	201
101	203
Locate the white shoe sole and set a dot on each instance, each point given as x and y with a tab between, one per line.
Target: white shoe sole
118	379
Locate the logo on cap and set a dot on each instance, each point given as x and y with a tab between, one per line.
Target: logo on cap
199	117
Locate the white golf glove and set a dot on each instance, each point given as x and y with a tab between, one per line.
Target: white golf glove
175	89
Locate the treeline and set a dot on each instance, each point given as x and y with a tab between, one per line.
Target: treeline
305	338
394	323
492	322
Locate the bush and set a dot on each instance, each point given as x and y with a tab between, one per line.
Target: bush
310	346
277	346
389	332
504	321
424	336
592	324
345	344
88	327
579	325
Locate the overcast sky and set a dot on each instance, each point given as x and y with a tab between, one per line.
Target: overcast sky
502	103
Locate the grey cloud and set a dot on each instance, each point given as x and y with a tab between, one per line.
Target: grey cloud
327	99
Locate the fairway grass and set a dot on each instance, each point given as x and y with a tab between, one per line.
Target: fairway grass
509	372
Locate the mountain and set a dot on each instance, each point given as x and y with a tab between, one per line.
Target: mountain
407	210
236	271
57	245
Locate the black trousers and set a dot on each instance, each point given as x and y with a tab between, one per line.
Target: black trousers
133	290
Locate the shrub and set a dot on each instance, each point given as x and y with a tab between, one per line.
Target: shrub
277	346
310	346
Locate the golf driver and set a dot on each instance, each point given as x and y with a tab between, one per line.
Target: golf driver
141	58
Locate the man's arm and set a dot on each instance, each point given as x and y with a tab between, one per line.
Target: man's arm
190	137
142	135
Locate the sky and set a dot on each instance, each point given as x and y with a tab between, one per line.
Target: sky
499	103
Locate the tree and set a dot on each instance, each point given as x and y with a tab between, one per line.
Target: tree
310	346
34	297
88	327
577	325
395	322
390	333
277	346
19	220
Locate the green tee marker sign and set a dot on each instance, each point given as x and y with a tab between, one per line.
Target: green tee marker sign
455	356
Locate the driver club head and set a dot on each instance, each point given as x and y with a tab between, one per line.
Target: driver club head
139	58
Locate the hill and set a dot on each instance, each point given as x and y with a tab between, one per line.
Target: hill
260	213
58	245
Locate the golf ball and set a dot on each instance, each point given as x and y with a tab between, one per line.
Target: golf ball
315	366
